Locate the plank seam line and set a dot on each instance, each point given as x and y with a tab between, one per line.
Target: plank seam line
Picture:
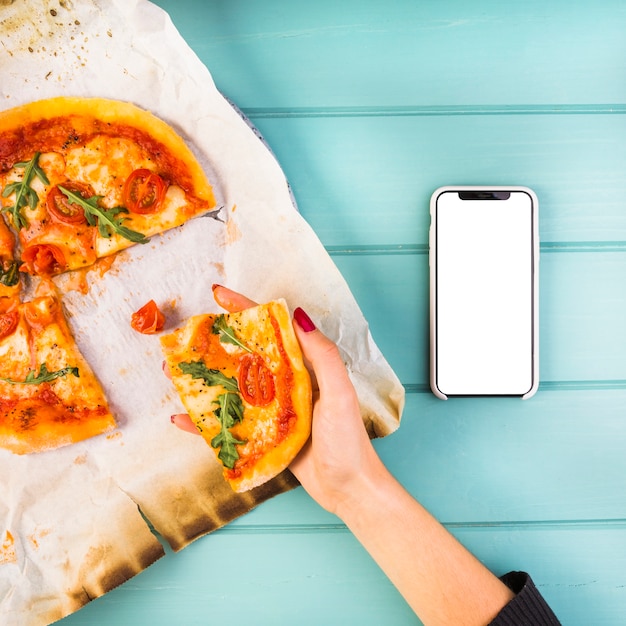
603	523
558	524
549	385
546	247
433	110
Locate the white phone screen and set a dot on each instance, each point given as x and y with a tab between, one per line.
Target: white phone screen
485	293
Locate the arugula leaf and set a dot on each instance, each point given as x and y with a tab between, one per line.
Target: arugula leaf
229	409
24	193
107	220
227	333
9	275
43	375
229	412
198	369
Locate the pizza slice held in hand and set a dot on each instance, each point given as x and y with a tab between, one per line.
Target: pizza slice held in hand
242	379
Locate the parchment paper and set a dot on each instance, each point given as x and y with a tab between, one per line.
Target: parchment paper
73	521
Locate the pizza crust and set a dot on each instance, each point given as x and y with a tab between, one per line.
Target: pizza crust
84	112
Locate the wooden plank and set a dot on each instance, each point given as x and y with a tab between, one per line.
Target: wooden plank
557	456
368	181
403	53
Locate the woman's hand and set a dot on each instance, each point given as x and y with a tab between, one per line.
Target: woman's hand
339	451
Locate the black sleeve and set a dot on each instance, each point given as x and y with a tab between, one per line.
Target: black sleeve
528	608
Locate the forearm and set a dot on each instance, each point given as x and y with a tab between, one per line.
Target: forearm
442	581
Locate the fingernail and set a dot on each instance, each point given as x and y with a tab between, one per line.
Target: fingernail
214	286
173	419
303	320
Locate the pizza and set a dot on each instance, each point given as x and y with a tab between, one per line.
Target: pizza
9	267
81	179
242	379
49	396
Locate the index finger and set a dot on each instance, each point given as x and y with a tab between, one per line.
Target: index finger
231	300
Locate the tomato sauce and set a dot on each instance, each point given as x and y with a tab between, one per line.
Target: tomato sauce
26	414
287	415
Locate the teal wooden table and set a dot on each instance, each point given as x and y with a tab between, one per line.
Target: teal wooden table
370	106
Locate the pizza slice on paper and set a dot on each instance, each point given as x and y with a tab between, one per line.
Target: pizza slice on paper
49	396
83	178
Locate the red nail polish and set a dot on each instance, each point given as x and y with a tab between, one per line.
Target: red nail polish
173	419
303	320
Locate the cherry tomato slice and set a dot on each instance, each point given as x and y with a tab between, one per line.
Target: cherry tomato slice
148	319
256	382
61	209
39	314
43	259
8	323
143	192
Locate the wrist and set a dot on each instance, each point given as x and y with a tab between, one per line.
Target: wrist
366	490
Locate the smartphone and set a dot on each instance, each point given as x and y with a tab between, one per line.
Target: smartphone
484	276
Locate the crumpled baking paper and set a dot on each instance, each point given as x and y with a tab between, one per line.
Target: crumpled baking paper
73	521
